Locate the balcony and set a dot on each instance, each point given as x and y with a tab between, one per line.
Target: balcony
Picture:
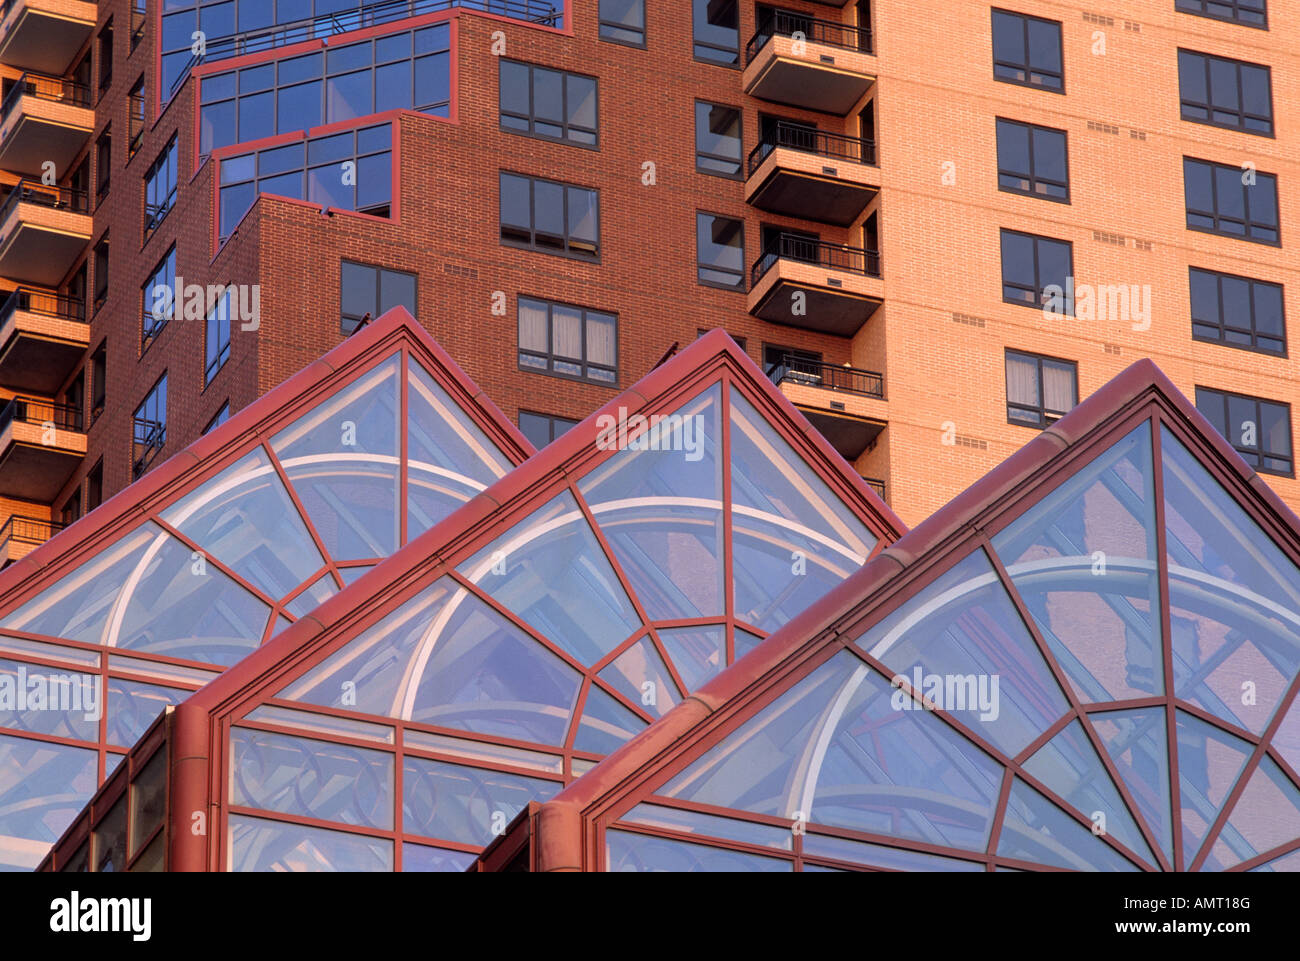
802	282
844	403
43	230
19	536
42	339
41	444
44	35
804	62
812	174
44	119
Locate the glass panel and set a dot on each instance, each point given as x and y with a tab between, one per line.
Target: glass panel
1289	863
1084	561
881	856
961	642
342	458
1036	830
133	706
314	723
709	825
745	642
842	749
260	845
640	676
54	652
482	751
658	501
1266	816
549	570
1069	765
1135	740
316	779
43	788
606	724
352	574
244	518
626	851
466	804
313	597
148	798
1209	761
1234	598
698	653
48	700
420	857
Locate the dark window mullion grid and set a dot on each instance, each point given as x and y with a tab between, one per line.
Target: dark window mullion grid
1205	8
1218	219
1033	176
1206	63
1040	411
1256	456
584	360
1223	324
1027	68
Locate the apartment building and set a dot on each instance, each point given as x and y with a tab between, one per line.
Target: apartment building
937	226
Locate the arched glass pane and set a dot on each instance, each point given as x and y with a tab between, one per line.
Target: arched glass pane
257	844
639	675
605	724
1266	816
1209	762
1036	830
1136	742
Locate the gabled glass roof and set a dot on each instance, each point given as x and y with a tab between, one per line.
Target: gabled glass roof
210	555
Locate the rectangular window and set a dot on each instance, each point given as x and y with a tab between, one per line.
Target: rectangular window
717	140
1033	160
95	486
103	164
135	118
568	341
1259	430
404	71
71	511
139	19
352	170
1031	264
1232	201
367	292
1027	50
541	429
105	54
101	271
551	217
623	21
150	432
1250	13
551	104
1040	390
1225	93
98	381
217	336
720	251
160	188
159	294
717	31
219	418
1237	311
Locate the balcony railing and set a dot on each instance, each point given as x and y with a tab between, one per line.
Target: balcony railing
793	136
805	250
35	192
814	373
364	15
827	33
32	531
38	412
31	301
54	89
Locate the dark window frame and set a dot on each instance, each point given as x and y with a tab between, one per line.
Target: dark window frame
1027	68
379	270
151	327
568	250
742	275
1203	393
738	160
214	361
531	118
603	25
1206	62
166	164
1046	418
550	356
98	368
1038	302
1033	178
551	419
101	252
1222	324
1204	7
697	44
154	438
220	417
137	117
1213	214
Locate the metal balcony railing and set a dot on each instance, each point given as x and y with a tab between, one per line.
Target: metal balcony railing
805	250
827	33
793	136
26	530
43	302
364	15
38	412
44	87
35	192
814	373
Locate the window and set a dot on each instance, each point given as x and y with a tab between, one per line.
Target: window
352	170
1259	430
106	57
717	31
548	216
541	429
160	188
219	418
366	290
101	271
1231	201
1250	13
135	117
1032	160
1040	390
71	511
717	139
568	341
408	71
551	104
217	336
150	433
74	398
1225	93
98	381
95	486
1031	264
1027	50
623	21
1237	311
720	251
139	19
103	164
159	293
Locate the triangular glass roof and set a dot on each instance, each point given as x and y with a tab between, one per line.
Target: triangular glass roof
552	619
1093	666
229	542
